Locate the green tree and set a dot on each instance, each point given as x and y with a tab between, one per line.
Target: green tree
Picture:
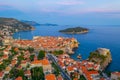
82	77
41	54
59	52
20	58
1	54
37	73
32	57
56	69
2	66
21	73
30	49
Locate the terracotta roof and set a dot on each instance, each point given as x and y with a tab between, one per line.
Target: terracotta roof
5	56
8	68
36	62
19	78
75	79
1	74
102	78
23	62
28	72
16	49
116	73
59	78
50	77
70	68
45	62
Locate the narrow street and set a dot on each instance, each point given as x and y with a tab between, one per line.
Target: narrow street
64	75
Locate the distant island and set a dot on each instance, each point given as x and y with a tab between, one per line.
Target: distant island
33	23
76	30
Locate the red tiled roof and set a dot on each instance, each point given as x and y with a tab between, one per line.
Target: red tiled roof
36	62
1	74
59	78
75	79
116	73
19	78
50	77
28	72
70	68
45	62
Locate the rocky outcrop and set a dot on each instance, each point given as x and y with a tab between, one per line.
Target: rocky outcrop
101	56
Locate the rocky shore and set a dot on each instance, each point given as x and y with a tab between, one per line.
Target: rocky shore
101	56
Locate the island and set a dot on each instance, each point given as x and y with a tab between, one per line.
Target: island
33	23
76	30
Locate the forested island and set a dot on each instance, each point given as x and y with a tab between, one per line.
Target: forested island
76	30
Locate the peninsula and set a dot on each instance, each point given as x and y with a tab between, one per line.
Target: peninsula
46	43
76	30
14	25
8	26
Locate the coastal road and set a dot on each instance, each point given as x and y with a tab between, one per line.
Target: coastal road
53	59
105	76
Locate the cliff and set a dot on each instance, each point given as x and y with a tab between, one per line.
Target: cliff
101	56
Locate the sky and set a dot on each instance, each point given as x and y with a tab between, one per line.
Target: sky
67	12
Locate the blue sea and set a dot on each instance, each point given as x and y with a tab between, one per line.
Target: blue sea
97	37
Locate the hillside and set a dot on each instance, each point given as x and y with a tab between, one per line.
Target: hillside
8	26
33	23
14	24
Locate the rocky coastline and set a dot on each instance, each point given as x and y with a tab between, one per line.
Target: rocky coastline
101	56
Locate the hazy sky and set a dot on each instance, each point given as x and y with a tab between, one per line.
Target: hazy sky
82	12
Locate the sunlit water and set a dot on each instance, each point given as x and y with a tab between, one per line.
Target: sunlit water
98	36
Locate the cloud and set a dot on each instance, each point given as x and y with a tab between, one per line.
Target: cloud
70	3
5	7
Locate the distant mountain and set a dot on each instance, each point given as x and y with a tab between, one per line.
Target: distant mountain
48	24
14	24
33	23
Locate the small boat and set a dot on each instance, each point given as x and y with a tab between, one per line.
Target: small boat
79	56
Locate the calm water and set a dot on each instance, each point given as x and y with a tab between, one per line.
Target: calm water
98	36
